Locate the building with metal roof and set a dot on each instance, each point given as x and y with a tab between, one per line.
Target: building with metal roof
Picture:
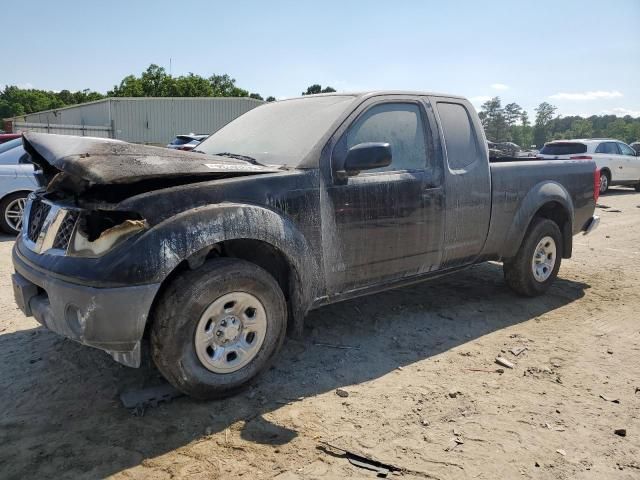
149	120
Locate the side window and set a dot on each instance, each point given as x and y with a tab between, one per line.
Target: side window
607	147
400	125
626	150
459	136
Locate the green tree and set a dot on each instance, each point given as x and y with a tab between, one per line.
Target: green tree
130	86
522	134
191	86
225	86
581	128
542	130
156	82
512	113
494	121
257	96
315	89
271	99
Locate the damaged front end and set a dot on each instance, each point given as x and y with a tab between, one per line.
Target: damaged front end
70	273
61	229
109	318
84	180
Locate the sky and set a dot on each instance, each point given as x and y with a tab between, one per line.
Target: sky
582	56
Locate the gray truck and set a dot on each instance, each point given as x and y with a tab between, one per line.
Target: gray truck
215	255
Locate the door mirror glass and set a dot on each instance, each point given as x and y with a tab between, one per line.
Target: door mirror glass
367	156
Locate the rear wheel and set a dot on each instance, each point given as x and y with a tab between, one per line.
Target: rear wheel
535	267
11	210
218	327
605	180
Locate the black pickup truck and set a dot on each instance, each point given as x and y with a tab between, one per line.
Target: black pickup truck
214	255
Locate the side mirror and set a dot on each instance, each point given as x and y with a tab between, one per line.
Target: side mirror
367	156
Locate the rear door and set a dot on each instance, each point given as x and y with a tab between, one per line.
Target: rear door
467	179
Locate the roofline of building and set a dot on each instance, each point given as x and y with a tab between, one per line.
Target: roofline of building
118	99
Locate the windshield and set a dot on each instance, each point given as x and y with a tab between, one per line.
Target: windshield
278	133
10	144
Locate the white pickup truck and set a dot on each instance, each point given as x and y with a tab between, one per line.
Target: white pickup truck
619	164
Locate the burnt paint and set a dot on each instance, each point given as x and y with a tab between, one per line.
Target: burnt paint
78	163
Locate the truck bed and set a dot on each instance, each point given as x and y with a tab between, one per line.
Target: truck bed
514	185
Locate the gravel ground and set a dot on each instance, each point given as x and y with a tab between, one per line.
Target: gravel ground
422	389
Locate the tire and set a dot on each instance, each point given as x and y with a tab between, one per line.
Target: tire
605	181
520	271
220	286
637	187
10	206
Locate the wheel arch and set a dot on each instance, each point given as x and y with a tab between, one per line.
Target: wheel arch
251	233
13	192
547	200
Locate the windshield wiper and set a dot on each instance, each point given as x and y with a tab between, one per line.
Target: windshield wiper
246	158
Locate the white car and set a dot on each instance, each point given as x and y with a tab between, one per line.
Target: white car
17	180
187	142
619	164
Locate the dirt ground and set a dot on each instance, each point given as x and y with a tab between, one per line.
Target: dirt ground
420	375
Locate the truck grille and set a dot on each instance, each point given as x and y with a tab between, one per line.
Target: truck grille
39	212
63	237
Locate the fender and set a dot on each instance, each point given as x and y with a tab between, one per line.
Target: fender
189	233
541	194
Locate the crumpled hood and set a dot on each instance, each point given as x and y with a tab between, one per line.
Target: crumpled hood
78	163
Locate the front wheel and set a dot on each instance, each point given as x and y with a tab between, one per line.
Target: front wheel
535	267
218	327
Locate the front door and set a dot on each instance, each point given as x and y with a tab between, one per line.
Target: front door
631	162
611	155
385	224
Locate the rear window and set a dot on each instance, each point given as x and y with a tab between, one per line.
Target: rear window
459	136
565	148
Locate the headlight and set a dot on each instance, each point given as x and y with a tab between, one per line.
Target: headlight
98	232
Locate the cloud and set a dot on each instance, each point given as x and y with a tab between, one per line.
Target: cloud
593	95
480	99
24	86
499	86
621	112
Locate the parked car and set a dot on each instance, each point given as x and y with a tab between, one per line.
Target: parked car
508	152
619	164
293	205
186	142
17	180
5	137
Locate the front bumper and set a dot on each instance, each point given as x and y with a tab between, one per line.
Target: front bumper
111	319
